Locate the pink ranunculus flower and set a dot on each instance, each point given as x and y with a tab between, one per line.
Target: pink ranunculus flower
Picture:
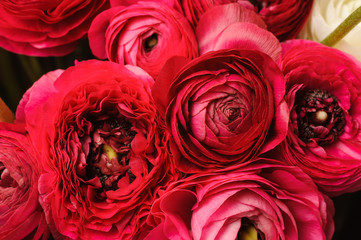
223	108
21	216
324	95
194	9
145	34
284	18
234	26
46	28
264	201
103	148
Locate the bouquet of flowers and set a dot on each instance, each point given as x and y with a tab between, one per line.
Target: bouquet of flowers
180	119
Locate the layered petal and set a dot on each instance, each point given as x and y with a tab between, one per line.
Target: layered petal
222	108
265	200
46	28
145	34
323	93
21	215
103	149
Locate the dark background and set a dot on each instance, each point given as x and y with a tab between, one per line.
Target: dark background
18	72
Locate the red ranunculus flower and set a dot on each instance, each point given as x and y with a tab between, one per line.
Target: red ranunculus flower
102	148
284	18
258	202
21	216
222	108
324	95
145	34
45	28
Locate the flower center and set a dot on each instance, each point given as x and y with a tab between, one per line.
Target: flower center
319	117
248	231
150	42
232	113
110	150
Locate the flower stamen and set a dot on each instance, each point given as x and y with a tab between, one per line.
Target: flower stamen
248	231
150	42
319	117
110	153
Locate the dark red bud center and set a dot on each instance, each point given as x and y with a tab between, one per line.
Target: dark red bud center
319	116
110	150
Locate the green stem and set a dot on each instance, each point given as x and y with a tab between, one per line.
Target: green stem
345	27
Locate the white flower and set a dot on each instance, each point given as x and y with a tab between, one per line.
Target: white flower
325	16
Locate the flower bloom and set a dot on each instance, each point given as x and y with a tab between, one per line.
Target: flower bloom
324	95
45	28
102	148
194	9
261	202
284	18
144	34
21	215
234	26
222	108
325	16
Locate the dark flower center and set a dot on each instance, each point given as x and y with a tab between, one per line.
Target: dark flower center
109	154
150	42
258	4
319	117
248	231
232	113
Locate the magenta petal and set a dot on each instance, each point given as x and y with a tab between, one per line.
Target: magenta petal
97	31
37	95
233	26
224	15
245	36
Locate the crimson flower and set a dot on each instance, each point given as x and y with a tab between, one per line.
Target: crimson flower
102	145
46	28
223	108
21	216
323	92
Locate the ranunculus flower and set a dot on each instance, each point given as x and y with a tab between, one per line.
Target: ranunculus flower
284	18
324	95
102	146
21	216
325	16
145	34
45	28
222	108
261	202
234	26
194	9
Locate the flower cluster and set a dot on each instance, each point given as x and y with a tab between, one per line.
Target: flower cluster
204	119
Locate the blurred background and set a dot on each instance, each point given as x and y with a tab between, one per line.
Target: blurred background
19	72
